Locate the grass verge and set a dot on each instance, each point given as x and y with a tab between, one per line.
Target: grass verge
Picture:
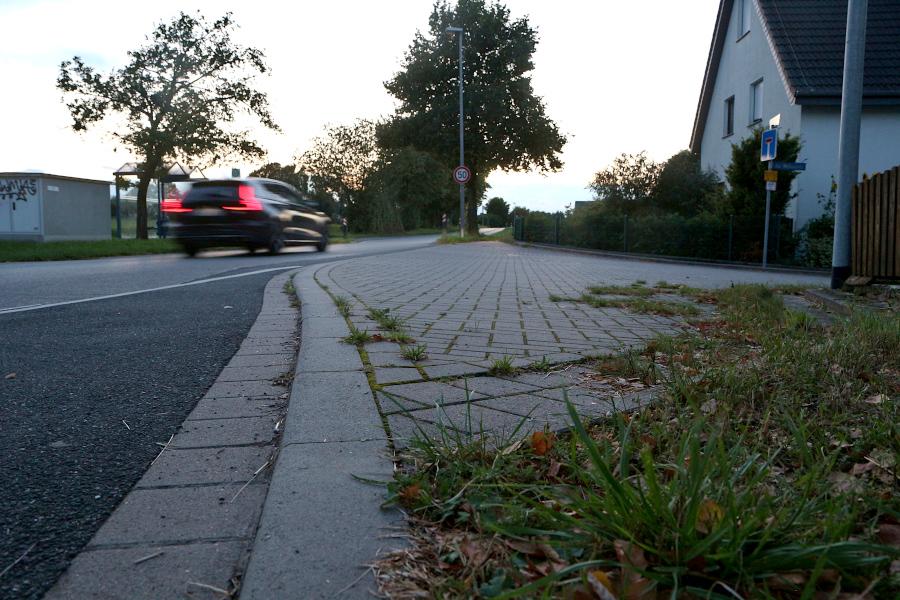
766	469
14	251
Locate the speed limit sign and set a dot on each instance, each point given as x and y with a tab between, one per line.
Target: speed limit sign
462	174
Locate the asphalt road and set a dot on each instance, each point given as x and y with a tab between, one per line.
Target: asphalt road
84	370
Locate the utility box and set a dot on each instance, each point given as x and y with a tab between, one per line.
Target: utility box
41	207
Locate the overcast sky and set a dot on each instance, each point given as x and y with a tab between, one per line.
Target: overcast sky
616	75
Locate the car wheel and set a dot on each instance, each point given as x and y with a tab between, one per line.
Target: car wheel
322	244
276	242
252	249
190	250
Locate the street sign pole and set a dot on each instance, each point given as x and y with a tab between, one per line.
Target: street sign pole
768	217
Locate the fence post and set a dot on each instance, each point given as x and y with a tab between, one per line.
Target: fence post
730	235
625	233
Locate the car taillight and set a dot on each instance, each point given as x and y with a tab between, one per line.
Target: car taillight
247	199
173	205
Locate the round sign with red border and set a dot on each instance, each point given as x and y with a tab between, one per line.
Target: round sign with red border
462	174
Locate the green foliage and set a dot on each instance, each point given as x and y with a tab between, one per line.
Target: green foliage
502	366
413	183
506	123
180	95
318	199
497	207
747	194
15	251
415	353
340	162
817	236
683	188
385	319
627	185
357	337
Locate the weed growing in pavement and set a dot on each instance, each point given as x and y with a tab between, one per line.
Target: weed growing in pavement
502	366
358	337
385	320
766	469
542	365
343	306
414	353
642	305
288	288
621	290
400	336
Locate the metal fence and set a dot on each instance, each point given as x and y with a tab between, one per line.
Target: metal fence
708	237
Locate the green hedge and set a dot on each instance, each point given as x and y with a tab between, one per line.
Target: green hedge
703	236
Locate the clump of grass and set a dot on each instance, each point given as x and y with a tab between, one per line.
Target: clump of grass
642	305
343	305
415	353
358	337
385	319
288	288
502	366
766	469
542	365
454	238
622	290
399	336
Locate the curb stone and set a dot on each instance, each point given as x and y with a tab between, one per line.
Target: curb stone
322	523
185	529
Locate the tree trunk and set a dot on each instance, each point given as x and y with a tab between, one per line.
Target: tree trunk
143	185
473	193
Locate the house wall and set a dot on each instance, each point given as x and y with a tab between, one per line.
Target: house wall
879	150
744	60
75	210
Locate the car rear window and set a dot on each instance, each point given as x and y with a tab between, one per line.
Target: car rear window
212	194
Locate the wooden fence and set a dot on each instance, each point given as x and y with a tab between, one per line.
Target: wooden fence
876	226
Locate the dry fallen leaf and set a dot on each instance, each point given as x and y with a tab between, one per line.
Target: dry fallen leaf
889	534
475	552
10	376
860	468
601	585
634	585
876	399
709	516
410	493
541	442
553	471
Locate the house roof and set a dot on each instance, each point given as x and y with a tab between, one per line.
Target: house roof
807	38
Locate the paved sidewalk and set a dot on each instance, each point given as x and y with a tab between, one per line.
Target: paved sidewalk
473	304
186	528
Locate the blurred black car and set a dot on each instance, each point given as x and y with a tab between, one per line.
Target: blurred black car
250	213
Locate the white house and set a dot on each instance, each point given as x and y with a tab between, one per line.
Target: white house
786	57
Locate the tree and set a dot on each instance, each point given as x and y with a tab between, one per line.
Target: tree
747	195
413	182
340	162
627	185
499	209
177	94
683	187
287	173
506	125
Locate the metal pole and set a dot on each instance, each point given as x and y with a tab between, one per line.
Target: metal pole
765	261
462	153
848	149
118	212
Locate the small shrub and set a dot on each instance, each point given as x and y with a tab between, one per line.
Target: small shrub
502	366
415	353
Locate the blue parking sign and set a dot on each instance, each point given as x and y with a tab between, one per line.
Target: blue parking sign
769	145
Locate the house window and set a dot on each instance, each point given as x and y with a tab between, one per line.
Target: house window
729	116
744	16
756	101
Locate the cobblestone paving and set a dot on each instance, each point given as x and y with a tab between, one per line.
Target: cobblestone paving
475	303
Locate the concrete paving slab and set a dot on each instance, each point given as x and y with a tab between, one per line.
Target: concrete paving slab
245	389
324	327
386	375
225	432
332	406
113	575
231	408
321	525
255	373
340	357
182	515
453	370
205	466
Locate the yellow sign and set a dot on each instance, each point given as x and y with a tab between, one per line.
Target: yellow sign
770	176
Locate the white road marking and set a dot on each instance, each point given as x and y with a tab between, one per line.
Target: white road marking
30	307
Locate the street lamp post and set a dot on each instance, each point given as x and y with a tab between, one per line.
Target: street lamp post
462	154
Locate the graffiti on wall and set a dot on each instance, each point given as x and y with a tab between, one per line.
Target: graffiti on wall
18	189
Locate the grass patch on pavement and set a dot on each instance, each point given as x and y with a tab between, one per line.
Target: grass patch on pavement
358	337
415	353
14	251
385	319
502	366
767	468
